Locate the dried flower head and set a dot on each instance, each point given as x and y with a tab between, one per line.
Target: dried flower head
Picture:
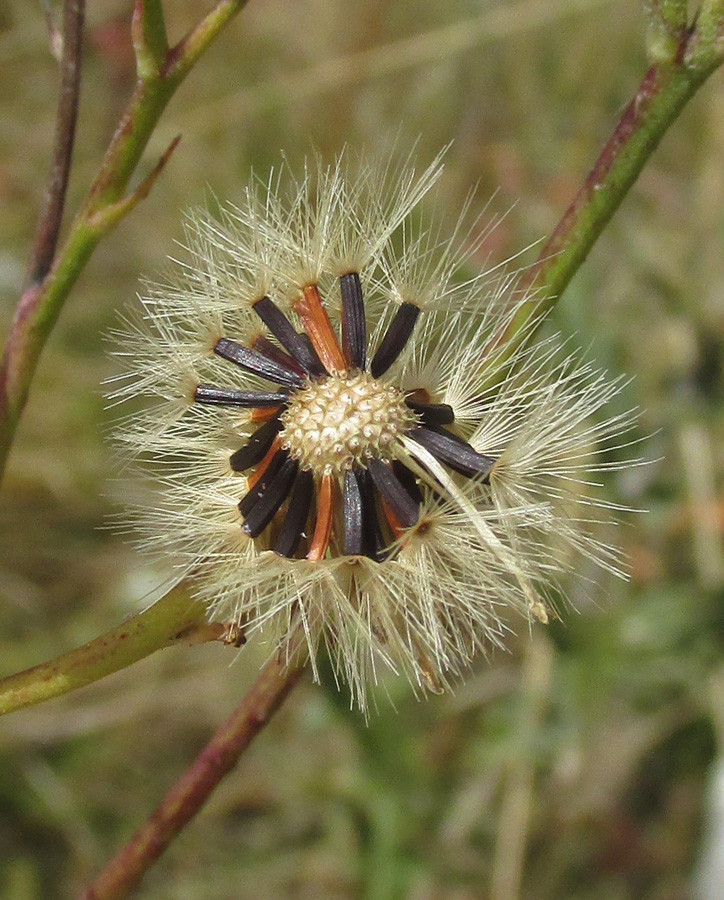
346	445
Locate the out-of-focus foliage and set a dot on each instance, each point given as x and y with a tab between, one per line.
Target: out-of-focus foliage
574	766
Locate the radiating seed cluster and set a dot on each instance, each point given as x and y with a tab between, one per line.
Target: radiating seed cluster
351	449
339	422
334	431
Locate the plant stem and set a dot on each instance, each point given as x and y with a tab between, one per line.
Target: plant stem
150	41
46	236
663	93
41	303
191	791
171	617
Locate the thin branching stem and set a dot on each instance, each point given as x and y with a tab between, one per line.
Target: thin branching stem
191	791
42	301
176	617
51	216
666	88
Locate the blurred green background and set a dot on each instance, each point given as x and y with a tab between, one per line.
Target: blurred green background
579	764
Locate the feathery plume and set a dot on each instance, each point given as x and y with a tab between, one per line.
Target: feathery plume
340	441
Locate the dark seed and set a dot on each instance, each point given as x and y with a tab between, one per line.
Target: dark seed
408	481
432	413
255	363
454	452
255	449
250	499
393	492
373	542
213	396
271	499
276	354
395	339
354	323
352	514
318	368
287	335
295	519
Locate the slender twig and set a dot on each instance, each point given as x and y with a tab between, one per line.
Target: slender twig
108	216
663	93
150	41
191	791
40	305
172	618
46	236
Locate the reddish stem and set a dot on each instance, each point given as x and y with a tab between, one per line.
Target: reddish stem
192	790
596	178
46	236
662	94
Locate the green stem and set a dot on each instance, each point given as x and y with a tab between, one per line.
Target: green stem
664	91
673	12
150	41
186	53
172	617
40	305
